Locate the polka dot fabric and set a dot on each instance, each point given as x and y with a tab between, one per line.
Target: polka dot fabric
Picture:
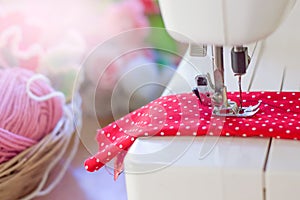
184	115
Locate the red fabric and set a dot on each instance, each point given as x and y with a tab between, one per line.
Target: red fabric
184	115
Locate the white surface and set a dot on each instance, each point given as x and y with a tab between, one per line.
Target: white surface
230	22
283	171
186	176
218	177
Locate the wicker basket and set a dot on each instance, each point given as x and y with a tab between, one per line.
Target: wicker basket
27	175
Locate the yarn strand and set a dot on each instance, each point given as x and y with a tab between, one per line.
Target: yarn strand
45	97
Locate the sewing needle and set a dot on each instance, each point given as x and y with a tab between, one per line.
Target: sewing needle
240	89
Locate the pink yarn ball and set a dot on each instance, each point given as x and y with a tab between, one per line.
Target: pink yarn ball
23	120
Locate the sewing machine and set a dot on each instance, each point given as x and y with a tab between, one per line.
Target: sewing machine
230	168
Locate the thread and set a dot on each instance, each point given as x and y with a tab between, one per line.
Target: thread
29	110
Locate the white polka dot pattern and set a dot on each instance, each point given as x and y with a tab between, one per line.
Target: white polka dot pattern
184	115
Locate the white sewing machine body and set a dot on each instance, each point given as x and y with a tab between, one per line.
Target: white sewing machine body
165	168
223	23
230	22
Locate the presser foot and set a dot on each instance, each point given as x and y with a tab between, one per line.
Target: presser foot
205	91
232	110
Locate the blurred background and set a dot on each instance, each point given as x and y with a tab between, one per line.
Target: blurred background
87	42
